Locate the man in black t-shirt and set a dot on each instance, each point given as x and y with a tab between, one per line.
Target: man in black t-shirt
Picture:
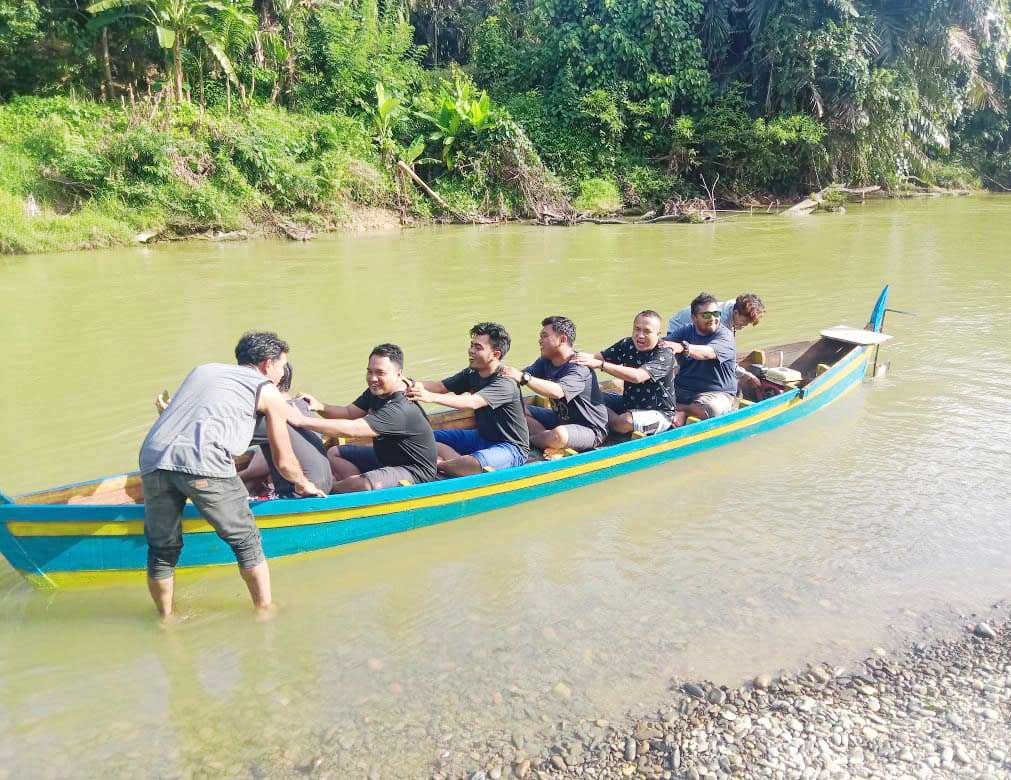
404	447
500	439
646	368
577	418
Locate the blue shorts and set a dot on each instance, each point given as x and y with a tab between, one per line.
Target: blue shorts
491	455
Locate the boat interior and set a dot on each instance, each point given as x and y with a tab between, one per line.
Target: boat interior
808	358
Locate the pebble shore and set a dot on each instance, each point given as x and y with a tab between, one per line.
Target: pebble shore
936	710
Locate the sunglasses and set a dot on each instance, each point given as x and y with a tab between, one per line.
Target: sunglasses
709	315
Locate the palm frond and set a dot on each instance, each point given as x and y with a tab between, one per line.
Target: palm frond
962	48
817	101
845	7
759	12
715	28
110	5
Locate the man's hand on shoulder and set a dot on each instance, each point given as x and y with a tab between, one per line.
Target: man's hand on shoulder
674	346
314	404
511	373
586	359
417	392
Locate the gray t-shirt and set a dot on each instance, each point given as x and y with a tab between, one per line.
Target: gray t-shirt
583	403
403	434
210	421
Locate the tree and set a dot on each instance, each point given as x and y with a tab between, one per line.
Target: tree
176	21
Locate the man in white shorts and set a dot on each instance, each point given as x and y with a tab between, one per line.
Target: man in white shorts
646	404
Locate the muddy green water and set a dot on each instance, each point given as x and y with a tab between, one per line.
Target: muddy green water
881	516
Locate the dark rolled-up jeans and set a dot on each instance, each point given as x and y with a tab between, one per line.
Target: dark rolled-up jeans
222	501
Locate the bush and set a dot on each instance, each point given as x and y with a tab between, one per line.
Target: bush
647	187
749	155
598	196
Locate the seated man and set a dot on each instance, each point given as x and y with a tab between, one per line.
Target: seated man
501	439
307	446
404	448
747	309
646	368
577	417
706	383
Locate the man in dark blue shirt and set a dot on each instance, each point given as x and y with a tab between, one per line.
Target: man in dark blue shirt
577	418
706	382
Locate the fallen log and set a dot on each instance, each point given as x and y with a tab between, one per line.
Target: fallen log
405	170
817	199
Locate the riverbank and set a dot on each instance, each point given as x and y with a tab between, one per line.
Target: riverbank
76	174
932	709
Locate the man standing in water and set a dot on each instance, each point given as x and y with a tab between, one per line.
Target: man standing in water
189	454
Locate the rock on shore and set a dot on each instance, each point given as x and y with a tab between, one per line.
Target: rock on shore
942	710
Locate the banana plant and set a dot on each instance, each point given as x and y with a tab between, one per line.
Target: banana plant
387	111
174	21
410	155
458	115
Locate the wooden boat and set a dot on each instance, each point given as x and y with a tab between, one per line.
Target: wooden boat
93	532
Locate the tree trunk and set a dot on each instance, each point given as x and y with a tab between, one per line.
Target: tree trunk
435	37
177	64
228	94
107	65
289	42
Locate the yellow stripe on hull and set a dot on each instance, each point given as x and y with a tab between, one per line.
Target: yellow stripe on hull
136	527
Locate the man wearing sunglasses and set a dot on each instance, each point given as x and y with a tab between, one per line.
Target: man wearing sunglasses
706	382
736	314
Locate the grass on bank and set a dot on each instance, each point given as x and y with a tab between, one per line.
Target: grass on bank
100	175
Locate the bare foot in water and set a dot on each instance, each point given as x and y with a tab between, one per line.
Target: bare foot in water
267	613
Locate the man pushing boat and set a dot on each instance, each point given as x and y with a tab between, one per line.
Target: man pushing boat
189	454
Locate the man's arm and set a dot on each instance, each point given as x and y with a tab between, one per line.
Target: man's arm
543	387
420	391
433	387
276	409
625	373
745	376
350	428
349	412
701	352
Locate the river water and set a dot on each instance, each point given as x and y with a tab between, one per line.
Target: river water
879	518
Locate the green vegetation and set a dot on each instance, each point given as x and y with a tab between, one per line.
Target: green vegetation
182	116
